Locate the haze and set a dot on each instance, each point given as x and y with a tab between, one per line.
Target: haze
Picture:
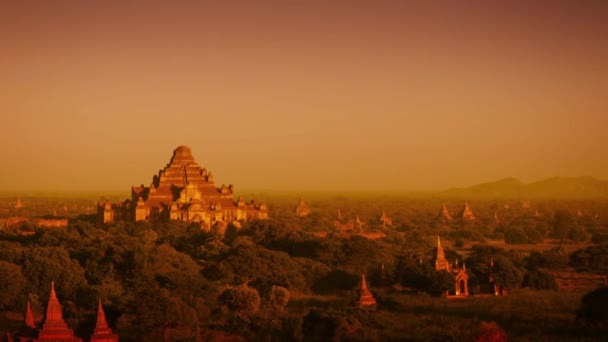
295	95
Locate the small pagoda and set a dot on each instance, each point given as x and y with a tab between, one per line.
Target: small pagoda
366	298
54	328
103	333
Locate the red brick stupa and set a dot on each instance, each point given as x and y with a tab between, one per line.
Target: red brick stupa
103	333
55	329
366	300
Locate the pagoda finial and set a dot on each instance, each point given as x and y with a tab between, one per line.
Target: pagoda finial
102	332
363	282
29	316
101	318
53	294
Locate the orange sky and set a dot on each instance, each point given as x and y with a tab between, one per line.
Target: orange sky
302	95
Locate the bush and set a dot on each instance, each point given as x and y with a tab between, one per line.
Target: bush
539	280
515	235
594	306
241	299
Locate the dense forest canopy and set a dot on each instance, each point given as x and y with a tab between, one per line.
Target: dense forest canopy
297	278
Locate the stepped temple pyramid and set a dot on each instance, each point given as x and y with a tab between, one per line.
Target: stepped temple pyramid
182	191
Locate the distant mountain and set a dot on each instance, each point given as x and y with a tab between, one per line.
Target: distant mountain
556	187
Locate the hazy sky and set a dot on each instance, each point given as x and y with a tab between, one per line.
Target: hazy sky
335	95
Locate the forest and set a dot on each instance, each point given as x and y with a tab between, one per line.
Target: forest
295	278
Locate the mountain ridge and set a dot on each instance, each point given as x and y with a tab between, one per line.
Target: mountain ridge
552	187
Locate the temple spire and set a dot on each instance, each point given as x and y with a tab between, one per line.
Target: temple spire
102	333
53	294
29	316
440	261
366	298
54	327
53	310
101	318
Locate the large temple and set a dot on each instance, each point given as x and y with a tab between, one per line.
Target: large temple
182	191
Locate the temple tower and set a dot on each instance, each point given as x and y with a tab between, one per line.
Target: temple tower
441	263
302	209
467	213
385	220
444	214
366	298
102	333
55	329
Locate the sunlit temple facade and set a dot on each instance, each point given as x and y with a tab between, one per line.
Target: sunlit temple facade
182	191
461	286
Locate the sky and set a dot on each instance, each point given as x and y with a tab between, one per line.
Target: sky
302	95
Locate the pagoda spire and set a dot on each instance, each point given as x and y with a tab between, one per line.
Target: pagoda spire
53	310
366	298
101	318
441	262
102	333
54	327
29	316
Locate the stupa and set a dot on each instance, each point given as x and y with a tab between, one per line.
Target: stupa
302	209
183	191
466	214
54	328
103	333
385	220
444	214
441	263
366	298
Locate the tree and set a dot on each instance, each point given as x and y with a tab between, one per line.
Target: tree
539	280
515	235
278	297
11	283
506	274
42	265
441	281
489	332
594	306
241	299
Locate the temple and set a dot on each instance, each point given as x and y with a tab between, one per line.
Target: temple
182	191
441	263
444	214
461	286
302	209
385	220
366	298
467	214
